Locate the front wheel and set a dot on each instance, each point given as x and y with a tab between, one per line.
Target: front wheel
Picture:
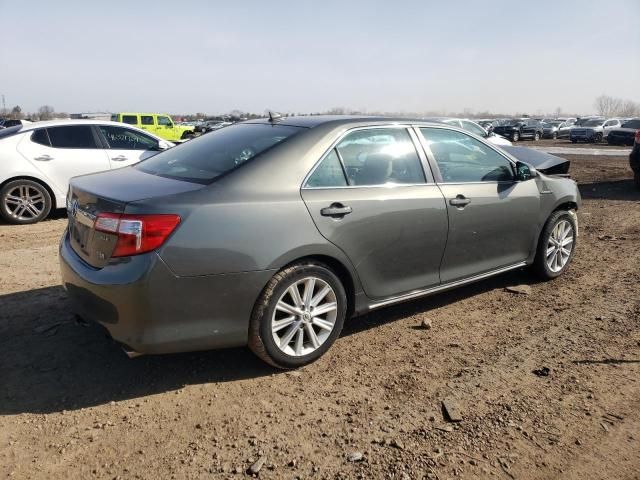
555	135
24	201
515	137
597	138
298	316
556	245
536	137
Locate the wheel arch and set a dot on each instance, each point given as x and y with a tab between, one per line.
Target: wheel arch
52	194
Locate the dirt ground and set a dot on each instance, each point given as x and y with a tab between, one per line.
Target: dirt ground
72	405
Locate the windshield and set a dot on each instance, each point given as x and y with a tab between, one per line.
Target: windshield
635	123
593	123
216	153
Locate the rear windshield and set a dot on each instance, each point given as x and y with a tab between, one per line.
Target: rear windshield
631	124
216	153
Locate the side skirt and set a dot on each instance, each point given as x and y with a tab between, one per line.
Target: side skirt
446	286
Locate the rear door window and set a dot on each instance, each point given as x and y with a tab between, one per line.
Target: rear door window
146	119
72	136
130	119
380	156
204	159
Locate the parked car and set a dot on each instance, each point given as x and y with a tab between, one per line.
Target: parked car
13	123
270	233
634	159
37	161
625	135
159	124
550	129
519	129
472	127
594	130
488	124
211	125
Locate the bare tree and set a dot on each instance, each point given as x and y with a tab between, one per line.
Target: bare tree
607	106
46	112
558	111
629	108
16	112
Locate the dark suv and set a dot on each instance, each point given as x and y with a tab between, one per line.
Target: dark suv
519	129
634	160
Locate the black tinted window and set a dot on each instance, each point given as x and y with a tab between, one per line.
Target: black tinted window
379	156
164	121
146	120
73	136
461	158
631	124
41	137
329	173
126	139
207	157
130	119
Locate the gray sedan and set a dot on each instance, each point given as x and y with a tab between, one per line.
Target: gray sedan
270	233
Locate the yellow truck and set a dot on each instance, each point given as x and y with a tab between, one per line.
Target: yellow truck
159	124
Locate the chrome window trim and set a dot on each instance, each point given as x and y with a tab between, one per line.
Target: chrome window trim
406	126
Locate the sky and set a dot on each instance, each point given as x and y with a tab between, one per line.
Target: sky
183	56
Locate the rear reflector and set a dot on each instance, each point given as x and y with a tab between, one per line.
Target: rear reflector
136	233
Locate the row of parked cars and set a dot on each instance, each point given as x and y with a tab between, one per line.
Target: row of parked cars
616	131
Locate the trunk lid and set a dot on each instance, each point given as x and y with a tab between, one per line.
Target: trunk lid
110	192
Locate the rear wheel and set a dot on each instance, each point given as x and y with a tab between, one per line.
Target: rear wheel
597	138
24	201
298	316
555	135
556	245
536	137
515	137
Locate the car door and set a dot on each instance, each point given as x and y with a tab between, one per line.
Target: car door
165	128
369	196
126	146
528	129
492	217
608	126
63	152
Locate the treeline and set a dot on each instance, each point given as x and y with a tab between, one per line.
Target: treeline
45	112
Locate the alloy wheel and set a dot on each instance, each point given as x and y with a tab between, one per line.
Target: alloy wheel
304	316
559	246
25	202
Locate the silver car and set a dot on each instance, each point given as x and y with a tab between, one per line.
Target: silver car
271	233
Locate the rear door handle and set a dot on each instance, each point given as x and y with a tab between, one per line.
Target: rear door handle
44	158
460	201
119	158
336	210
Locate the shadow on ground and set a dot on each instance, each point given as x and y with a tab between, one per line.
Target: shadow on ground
49	362
612	190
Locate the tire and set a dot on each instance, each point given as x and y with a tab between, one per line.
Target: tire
24	201
536	137
515	137
555	135
549	266
292	352
597	138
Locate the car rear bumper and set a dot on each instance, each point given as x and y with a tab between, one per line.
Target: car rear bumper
147	308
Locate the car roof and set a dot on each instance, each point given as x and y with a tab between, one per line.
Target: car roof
312	121
61	123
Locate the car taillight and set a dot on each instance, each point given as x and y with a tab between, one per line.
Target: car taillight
136	233
638	137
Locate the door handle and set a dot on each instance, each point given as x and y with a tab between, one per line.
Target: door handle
44	158
336	210
119	158
460	201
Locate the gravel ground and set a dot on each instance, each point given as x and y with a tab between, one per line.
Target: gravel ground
73	405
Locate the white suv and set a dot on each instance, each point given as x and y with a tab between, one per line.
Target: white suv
39	159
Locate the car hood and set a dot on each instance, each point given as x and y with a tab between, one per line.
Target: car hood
541	161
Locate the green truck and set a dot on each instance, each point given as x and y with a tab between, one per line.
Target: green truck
159	124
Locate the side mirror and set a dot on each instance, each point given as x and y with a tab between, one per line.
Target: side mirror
525	172
162	146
